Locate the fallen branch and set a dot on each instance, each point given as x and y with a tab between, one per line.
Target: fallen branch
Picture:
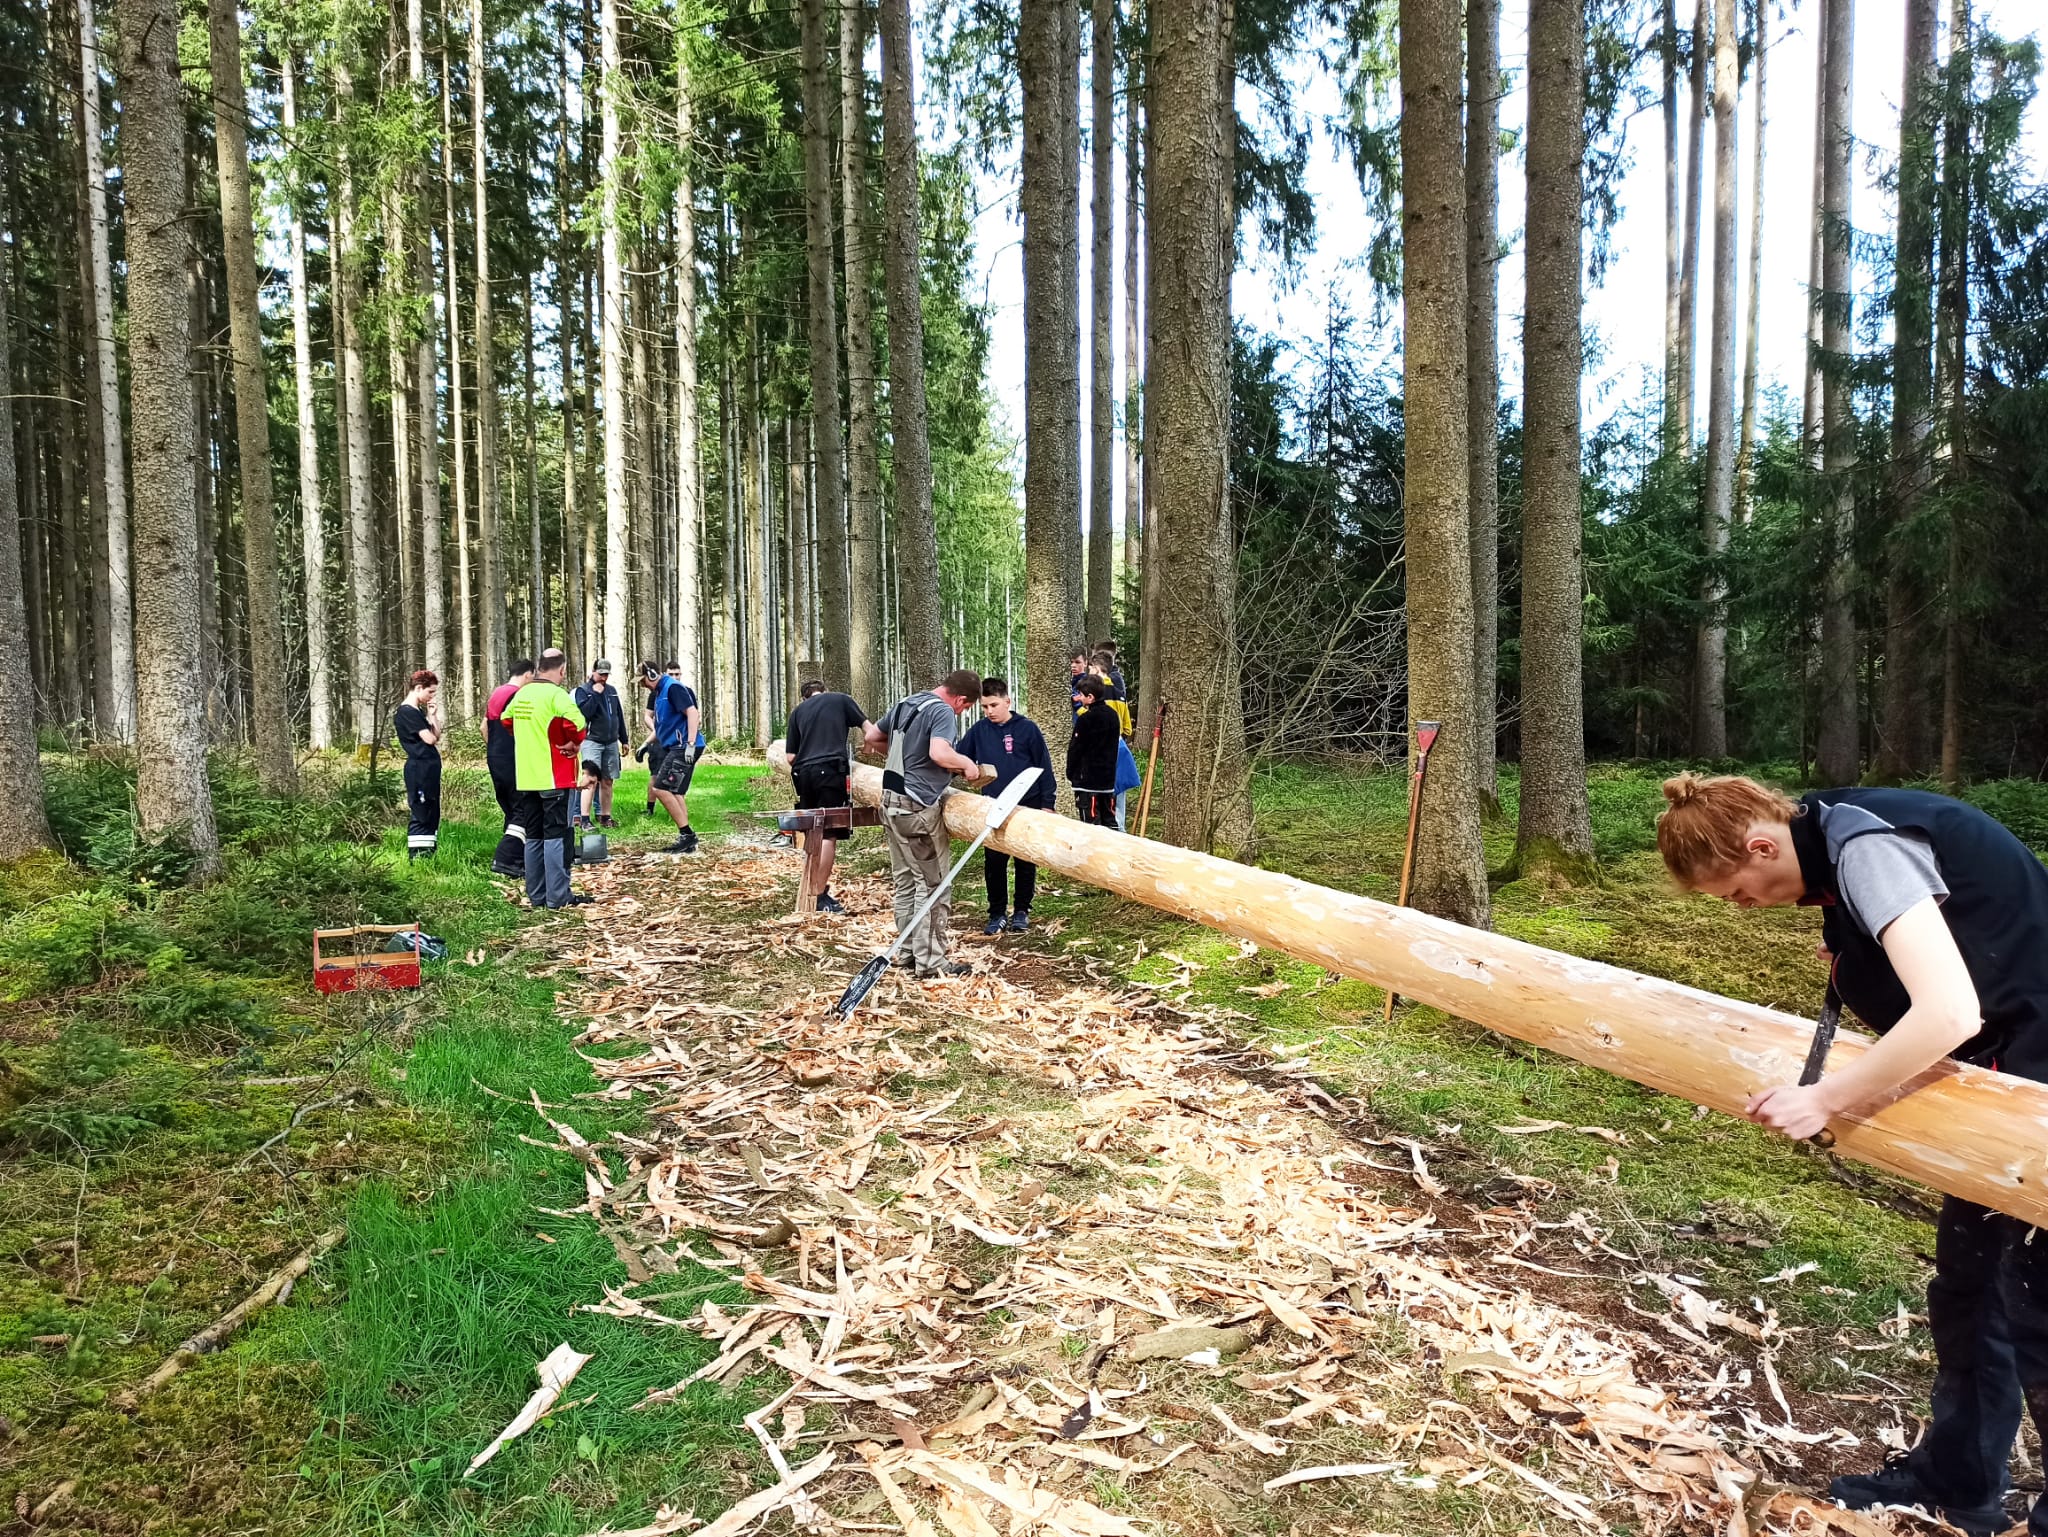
217	1333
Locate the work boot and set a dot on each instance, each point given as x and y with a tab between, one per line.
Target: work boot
995	924
1020	921
1896	1483
953	969
510	872
828	903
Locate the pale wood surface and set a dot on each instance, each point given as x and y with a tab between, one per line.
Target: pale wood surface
1977	1134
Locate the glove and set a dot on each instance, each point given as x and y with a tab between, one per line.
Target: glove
640	752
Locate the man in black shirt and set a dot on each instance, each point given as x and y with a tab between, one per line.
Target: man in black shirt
1009	743
605	715
820	764
510	856
418	723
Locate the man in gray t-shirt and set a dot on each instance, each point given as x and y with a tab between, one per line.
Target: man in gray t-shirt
922	762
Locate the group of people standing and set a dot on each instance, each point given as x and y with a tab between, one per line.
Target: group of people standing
554	758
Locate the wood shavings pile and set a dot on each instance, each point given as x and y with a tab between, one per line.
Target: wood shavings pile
995	1306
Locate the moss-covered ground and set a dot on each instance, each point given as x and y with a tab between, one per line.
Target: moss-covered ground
180	1114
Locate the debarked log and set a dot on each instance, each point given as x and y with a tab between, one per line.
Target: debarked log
1964	1130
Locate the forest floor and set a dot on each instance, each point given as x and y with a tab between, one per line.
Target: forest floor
1084	1142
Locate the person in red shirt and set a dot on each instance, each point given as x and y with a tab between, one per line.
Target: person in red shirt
509	858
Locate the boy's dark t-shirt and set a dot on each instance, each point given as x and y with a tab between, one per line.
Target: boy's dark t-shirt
410	720
817	731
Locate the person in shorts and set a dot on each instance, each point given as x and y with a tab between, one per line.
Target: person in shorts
921	732
821	765
605	716
674	726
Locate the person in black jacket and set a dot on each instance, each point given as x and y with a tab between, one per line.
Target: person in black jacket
1091	755
418	724
1934	919
1010	743
604	716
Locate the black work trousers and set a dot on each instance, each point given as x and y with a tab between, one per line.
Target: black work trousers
511	851
1987	1308
995	873
1097	807
423	805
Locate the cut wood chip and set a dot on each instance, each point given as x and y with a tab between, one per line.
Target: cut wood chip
1337	1470
1268	1445
556	1373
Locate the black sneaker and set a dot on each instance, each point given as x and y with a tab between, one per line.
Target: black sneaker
1020	921
510	872
1897	1484
607	820
944	969
995	925
582	824
828	903
578	899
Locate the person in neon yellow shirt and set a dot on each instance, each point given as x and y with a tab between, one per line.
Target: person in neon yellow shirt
546	729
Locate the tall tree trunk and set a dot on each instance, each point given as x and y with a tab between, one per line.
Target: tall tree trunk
395	280
119	647
1673	227
171	794
1450	868
1810	402
312	537
1905	745
537	569
465	592
1840	754
271	721
23	827
1555	823
689	489
1206	798
917	538
863	455
493	630
640	440
426	366
1689	260
1051	373
1710	640
1134	501
1482	385
1745	448
821	110
364	594
618	511
1951	389
759	553
1102	301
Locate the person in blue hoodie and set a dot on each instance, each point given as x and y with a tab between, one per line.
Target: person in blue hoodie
1010	743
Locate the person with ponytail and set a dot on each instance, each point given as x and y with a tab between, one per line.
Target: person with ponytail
1934	921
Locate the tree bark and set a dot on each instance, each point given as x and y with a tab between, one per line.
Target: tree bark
689	431
917	539
612	330
493	625
640	442
426	364
820	109
312	537
566	327
119	646
1810	402
23	827
365	596
1710	639
1482	356
1951	389
759	547
1555	824
1206	794
863	456
1839	755
1102	300
465	593
1673	226
536	555
1051	370
271	720
1689	261
1134	364
1745	448
1905	746
1450	869
171	793
395	280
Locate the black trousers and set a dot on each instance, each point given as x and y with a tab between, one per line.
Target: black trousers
1987	1308
423	805
1098	807
995	873
544	814
511	851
